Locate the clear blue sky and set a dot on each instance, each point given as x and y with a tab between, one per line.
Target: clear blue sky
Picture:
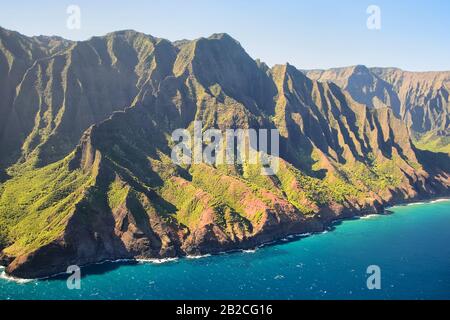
414	35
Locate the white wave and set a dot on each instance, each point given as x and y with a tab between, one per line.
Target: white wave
267	244
440	200
198	257
157	261
370	216
114	261
6	277
307	234
415	204
250	251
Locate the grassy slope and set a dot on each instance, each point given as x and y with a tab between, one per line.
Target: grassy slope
434	143
35	206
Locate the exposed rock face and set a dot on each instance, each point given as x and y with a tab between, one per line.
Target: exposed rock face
17	54
95	180
363	85
421	99
424	96
54	96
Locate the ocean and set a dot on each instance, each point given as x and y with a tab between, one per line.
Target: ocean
411	248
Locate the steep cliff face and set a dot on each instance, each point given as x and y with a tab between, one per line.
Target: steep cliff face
363	85
421	99
101	184
17	54
57	96
424	97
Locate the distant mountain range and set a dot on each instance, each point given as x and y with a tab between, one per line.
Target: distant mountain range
85	148
420	99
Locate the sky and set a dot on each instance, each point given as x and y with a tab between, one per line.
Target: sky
310	34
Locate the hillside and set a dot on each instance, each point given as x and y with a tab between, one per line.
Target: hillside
420	99
86	153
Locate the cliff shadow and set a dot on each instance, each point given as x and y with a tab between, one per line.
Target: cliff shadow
433	160
100	268
3	176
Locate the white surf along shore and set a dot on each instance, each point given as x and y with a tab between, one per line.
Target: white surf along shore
5	277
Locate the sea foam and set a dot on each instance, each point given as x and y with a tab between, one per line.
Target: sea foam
198	257
4	276
440	200
157	261
370	216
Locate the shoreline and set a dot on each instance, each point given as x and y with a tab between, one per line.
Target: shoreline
287	239
429	201
8	278
422	201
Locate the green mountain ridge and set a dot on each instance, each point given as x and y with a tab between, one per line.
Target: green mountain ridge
87	152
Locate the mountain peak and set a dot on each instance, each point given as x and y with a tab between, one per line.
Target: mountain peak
224	37
129	34
221	36
360	68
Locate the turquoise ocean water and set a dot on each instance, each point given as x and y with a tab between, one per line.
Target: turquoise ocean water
411	247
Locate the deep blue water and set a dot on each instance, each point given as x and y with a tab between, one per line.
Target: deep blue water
412	248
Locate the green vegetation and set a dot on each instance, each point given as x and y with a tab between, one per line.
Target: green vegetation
193	199
226	217
333	151
378	177
231	191
35	206
189	200
433	142
304	191
117	193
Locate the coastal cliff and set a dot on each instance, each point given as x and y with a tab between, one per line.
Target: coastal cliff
86	153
